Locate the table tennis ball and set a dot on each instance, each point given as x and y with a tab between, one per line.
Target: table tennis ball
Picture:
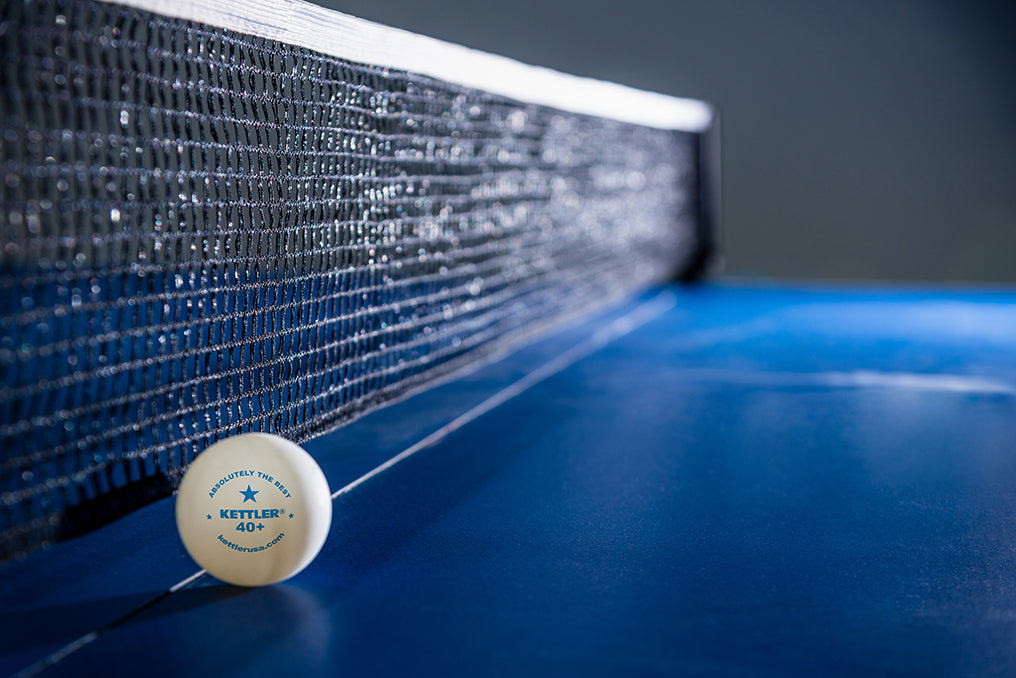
253	509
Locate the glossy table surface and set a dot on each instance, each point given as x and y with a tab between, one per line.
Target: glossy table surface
724	481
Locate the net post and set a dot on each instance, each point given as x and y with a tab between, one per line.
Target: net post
708	204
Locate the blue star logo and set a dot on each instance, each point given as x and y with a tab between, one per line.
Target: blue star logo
248	494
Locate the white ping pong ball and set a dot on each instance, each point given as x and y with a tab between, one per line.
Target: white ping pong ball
253	509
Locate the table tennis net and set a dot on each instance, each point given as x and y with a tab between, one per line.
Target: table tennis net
207	232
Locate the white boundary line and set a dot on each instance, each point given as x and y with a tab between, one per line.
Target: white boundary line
70	648
637	317
620	327
186	581
301	23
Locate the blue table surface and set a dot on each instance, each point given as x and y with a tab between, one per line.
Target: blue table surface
758	481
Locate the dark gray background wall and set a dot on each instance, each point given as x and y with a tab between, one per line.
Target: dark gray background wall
863	139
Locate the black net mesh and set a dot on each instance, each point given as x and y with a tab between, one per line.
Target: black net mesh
204	233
